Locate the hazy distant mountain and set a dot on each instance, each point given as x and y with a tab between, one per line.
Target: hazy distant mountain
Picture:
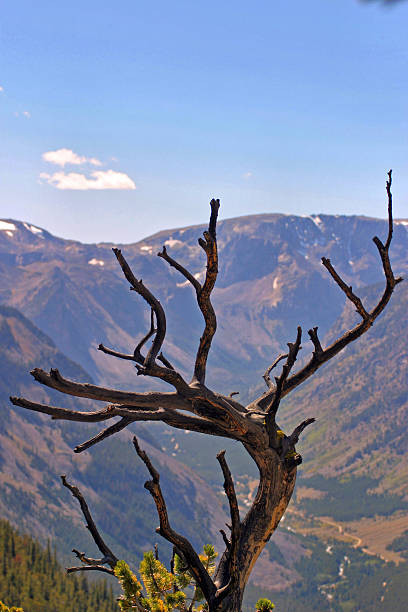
271	280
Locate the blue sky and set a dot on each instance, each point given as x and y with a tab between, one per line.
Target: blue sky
296	107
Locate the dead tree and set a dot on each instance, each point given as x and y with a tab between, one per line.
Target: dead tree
193	406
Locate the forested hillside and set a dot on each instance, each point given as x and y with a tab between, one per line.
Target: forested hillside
32	578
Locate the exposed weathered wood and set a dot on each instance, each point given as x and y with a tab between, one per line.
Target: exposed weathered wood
229	489
175	264
197	569
108	556
209	245
266	376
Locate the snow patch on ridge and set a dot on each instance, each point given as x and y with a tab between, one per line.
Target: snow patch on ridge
171	242
33	229
317	221
5	225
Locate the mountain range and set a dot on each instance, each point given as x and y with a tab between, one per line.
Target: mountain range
61	298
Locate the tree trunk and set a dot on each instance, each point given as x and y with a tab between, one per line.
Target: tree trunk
275	490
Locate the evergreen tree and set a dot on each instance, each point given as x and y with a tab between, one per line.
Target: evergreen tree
32	579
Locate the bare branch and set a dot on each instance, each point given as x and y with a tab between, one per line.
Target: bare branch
390	223
363	326
209	245
87	568
290	361
200	425
88	560
320	356
174	264
223	411
137	355
105	433
55	380
316	342
294	436
346	289
234	511
165	361
153	302
63	413
108	556
145	338
266	376
226	540
113	353
197	569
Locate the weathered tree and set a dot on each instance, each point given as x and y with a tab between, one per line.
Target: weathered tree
193	406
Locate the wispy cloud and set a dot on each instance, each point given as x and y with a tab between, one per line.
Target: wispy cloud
61	157
247	175
1	88
25	114
100	179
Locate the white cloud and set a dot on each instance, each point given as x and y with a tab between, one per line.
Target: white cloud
247	175
1	88
61	157
100	179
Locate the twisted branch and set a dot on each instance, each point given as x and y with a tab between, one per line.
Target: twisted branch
63	413
200	574
266	376
209	245
203	292
108	557
153	302
348	290
174	264
229	489
320	355
105	433
150	399
288	365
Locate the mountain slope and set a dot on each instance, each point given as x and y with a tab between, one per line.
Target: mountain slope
270	281
34	451
361	400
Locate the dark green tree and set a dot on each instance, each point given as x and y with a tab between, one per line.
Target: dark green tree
32	579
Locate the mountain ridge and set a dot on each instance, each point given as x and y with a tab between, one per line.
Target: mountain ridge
270	280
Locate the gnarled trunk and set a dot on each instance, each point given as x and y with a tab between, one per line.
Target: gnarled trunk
276	485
